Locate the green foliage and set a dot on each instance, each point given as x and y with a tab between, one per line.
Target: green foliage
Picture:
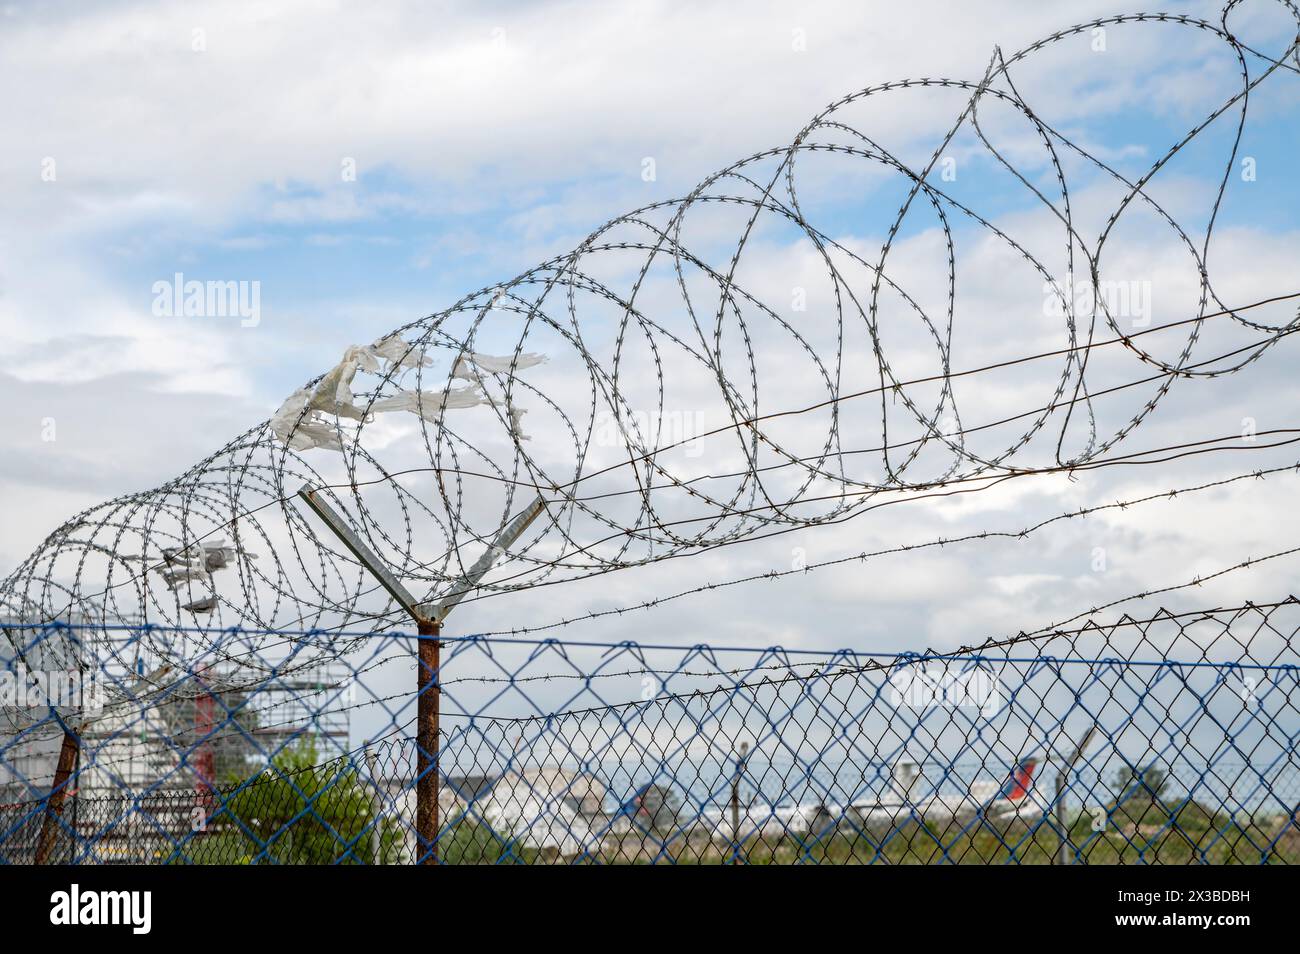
1148	784
471	842
297	812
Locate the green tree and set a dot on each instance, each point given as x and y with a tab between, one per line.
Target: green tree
1140	796
297	812
1141	785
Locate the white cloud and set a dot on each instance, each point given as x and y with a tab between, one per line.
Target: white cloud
159	146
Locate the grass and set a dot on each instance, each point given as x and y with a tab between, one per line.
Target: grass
1135	833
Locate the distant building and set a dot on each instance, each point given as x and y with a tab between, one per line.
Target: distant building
547	808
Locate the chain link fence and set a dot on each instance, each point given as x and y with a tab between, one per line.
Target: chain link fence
1165	740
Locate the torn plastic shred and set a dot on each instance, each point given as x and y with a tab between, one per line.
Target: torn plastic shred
205	605
303	421
400	353
470	364
431	404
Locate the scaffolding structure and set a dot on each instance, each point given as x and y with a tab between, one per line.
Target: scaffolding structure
230	734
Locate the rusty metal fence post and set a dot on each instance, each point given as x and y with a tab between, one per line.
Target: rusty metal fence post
58	791
428	621
427	770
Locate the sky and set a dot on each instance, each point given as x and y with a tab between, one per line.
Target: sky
368	164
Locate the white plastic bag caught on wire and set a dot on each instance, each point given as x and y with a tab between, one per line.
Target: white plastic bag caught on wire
302	421
173	578
301	431
203	606
516	422
470	365
333	394
431	404
399	353
197	562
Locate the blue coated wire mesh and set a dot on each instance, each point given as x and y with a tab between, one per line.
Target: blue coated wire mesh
1169	739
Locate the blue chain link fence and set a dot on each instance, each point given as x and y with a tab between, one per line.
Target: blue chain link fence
1170	739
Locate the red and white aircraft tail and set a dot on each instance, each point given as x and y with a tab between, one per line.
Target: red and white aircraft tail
1016	798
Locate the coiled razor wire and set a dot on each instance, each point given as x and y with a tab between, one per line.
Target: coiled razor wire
674	308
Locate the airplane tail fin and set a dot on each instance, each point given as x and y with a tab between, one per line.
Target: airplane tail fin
1020	782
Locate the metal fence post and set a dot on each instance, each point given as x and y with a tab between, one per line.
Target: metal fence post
735	804
1062	821
428	686
1062	832
205	756
428	621
376	808
58	790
